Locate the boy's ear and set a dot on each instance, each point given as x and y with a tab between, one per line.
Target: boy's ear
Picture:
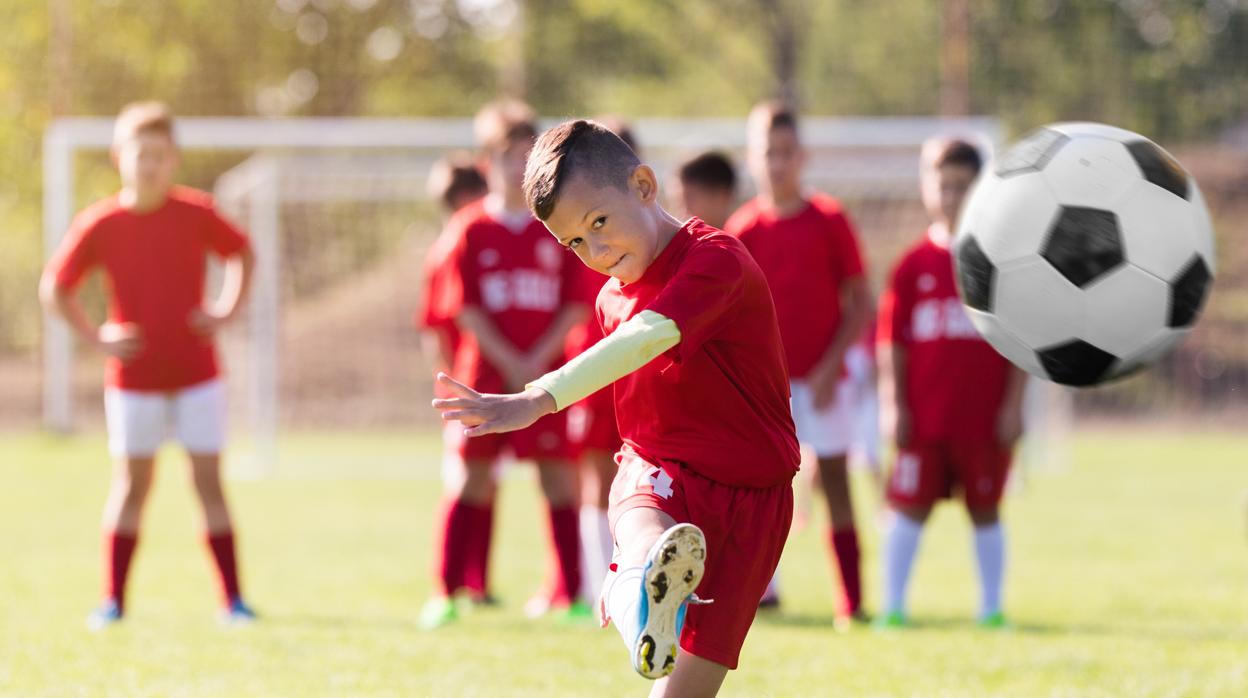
645	183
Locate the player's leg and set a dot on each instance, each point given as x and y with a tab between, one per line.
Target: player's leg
560	486
597	470
843	536
983	469
466	510
199	424
914	485
693	677
136	428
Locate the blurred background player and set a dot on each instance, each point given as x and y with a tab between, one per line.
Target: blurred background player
957	402
513	294
455	181
152	240
707	188
592	429
807	248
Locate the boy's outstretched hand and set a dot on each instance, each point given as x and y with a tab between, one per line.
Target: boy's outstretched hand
486	413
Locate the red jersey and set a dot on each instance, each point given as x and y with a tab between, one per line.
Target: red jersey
955	381
718	402
521	279
805	258
438	283
154	264
587	334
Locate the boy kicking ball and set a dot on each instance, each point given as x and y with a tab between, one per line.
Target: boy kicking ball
702	501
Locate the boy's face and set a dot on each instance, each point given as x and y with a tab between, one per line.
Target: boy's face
944	189
609	229
507	163
146	161
711	204
776	157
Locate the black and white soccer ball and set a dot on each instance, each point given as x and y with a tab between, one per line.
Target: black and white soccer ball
1085	253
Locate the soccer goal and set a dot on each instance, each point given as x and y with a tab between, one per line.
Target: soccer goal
340	219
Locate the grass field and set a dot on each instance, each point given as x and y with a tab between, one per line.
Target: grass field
1128	577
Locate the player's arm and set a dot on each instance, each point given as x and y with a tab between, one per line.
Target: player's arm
123	341
892	359
632	345
436	347
496	348
1010	420
855	313
550	345
238	268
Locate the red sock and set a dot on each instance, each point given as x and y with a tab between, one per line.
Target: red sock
456	539
845	545
477	561
565	535
118	551
222	545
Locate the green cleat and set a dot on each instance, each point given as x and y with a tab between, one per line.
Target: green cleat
994	621
437	612
892	620
579	613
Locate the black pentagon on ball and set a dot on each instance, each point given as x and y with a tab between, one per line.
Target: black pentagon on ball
1188	291
1075	363
1031	153
1159	167
976	275
1083	244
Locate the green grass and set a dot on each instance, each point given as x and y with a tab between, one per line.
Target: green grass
1128	576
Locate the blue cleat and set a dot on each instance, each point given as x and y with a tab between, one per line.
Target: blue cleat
674	566
107	614
237	613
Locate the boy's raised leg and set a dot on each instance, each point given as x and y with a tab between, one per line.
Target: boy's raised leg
694	677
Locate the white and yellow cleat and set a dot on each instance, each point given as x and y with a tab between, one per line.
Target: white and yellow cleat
674	567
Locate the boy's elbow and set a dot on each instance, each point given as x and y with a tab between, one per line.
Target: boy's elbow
50	294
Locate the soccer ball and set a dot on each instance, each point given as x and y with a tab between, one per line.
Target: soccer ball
1085	254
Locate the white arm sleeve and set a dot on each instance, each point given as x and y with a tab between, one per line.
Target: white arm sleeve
632	345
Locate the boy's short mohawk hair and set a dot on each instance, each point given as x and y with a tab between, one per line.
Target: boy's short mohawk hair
502	122
940	151
710	169
575	148
143	117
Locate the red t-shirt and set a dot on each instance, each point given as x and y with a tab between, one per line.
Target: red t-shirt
955	381
805	258
154	264
437	285
718	402
521	279
587	334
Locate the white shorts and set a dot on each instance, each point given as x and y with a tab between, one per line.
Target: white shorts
140	421
828	431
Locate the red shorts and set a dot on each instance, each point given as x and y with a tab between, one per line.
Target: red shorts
925	473
745	533
591	423
547	438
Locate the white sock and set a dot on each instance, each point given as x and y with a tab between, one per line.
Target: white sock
623	597
596	550
901	543
990	552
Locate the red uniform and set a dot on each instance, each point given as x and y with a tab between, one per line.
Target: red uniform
706	426
521	279
806	258
591	422
154	263
954	385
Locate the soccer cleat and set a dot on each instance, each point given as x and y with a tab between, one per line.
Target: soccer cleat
437	612
107	614
844	624
673	569
892	620
578	613
237	613
994	621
